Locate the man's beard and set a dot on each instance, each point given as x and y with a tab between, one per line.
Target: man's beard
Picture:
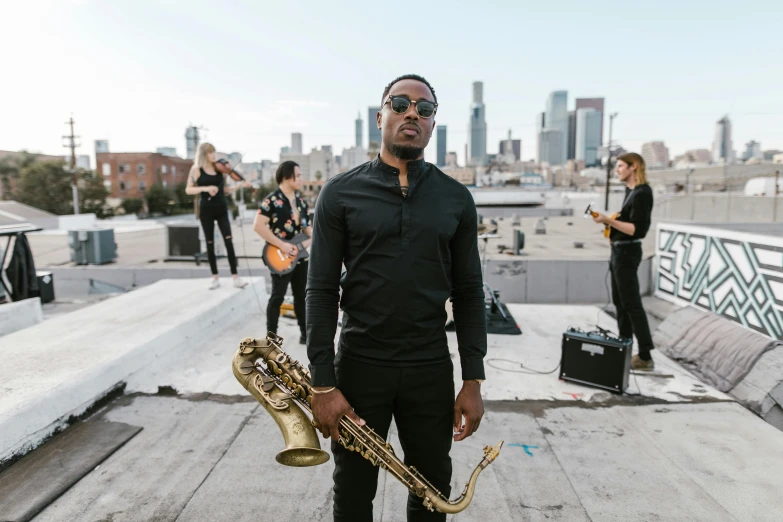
406	152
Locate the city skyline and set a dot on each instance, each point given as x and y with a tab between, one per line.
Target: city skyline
141	93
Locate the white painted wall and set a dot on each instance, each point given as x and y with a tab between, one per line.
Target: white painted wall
18	315
736	274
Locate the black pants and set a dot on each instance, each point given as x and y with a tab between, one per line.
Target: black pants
421	400
631	317
298	279
208	216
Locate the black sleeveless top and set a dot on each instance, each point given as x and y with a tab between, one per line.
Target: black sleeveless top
217	180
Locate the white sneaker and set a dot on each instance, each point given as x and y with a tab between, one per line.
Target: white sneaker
238	283
214	284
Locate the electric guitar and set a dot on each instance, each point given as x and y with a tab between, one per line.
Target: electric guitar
278	262
607	229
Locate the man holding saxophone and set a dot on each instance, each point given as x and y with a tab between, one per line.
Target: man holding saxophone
407	235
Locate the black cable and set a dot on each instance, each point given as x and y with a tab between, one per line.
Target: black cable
521	365
247	261
249	273
609	297
640	394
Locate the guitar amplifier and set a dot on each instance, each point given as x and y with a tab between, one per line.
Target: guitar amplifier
596	359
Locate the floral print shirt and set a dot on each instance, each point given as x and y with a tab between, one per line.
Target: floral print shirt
281	216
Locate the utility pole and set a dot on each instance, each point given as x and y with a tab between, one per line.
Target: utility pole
775	203
726	184
609	160
690	196
71	144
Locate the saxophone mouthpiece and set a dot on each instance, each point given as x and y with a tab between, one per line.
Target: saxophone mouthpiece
491	452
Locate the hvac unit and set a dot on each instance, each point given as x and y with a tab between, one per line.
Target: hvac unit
92	247
183	241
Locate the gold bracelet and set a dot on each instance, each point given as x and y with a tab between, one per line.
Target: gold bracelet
321	392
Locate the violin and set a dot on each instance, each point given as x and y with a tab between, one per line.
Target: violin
224	167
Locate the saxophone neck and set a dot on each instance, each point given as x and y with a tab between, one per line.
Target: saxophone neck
460	503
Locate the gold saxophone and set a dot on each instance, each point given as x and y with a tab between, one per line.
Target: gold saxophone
283	389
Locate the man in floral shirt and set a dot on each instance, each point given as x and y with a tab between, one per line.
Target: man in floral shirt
281	216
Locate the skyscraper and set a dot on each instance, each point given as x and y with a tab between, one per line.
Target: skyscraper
550	146
571	135
516	148
588	135
358	130
752	151
540	124
477	128
441	160
593	103
557	119
191	141
655	154
296	143
722	150
373	132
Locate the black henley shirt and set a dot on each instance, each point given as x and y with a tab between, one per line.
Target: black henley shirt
403	257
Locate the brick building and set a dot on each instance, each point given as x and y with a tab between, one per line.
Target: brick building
310	191
465	175
130	174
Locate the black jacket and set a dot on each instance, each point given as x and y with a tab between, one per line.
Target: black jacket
21	271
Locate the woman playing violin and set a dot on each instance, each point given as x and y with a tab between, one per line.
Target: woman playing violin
207	182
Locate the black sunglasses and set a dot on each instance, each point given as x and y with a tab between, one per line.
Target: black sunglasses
401	104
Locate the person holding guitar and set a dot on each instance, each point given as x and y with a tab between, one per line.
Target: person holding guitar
626	231
282	218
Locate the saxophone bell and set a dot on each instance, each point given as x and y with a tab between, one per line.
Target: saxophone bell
302	447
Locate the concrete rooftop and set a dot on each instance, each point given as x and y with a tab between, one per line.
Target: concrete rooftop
682	451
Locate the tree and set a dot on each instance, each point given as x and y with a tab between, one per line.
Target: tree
47	186
132	205
160	199
10	171
92	194
182	198
244	194
265	189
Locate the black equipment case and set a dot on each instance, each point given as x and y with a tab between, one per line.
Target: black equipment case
596	359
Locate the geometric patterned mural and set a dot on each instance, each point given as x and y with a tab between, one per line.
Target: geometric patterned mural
734	274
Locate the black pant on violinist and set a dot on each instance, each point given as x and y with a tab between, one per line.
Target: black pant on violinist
208	215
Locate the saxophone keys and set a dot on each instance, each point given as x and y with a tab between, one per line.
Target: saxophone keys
246	367
267	383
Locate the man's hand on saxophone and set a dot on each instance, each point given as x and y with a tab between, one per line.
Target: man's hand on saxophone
329	406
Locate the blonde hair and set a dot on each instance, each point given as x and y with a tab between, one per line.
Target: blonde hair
635	160
202	152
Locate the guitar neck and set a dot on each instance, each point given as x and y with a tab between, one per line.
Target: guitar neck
301	244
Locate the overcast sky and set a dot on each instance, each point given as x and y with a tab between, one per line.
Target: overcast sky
138	72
